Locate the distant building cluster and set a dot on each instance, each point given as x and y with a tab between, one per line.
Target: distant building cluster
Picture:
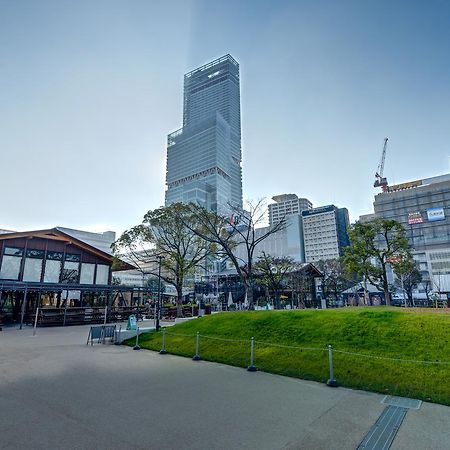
311	234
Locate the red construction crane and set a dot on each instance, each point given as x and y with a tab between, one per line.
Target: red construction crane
379	180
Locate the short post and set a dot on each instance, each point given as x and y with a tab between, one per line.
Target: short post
251	367
65	314
117	337
136	346
196	357
163	348
106	313
35	321
331	382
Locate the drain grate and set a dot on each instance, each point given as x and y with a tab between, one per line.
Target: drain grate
382	434
402	402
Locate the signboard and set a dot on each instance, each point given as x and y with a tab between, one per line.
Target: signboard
401	187
131	322
415	217
435	214
321	209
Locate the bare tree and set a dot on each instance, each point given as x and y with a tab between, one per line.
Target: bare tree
336	278
408	274
301	283
273	273
166	239
243	229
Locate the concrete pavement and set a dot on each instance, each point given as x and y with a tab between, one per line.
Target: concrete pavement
58	393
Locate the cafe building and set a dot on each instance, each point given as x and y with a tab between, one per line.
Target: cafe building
63	279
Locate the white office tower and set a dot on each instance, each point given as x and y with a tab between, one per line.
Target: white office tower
286	205
325	232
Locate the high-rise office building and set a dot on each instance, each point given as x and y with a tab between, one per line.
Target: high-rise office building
325	232
287	205
204	156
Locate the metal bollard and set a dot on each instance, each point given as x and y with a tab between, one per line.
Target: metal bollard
251	367
117	337
196	357
136	347
163	348
331	382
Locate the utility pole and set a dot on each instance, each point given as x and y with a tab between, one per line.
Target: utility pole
158	308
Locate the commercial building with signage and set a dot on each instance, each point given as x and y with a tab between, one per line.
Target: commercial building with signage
325	232
423	207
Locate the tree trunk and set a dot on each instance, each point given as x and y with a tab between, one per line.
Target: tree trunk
179	301
249	292
387	296
277	300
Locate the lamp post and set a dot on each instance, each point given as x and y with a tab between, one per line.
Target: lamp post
158	306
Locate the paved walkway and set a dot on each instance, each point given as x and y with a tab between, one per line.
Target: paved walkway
58	393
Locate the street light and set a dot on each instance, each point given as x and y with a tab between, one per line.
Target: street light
158	306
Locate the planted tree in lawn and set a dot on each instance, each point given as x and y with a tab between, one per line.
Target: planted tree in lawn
241	228
373	246
408	274
273	273
302	283
166	237
336	278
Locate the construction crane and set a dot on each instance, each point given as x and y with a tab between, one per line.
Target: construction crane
379	180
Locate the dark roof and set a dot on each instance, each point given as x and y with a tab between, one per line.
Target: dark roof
310	267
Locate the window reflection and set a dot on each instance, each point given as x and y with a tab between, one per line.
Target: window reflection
87	273
102	274
52	271
32	270
70	272
10	267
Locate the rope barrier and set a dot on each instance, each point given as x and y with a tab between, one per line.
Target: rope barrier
246	341
391	359
292	346
179	334
225	340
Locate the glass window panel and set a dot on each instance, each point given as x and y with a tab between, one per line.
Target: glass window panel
58	256
70	272
102	274
74	258
87	273
10	267
13	251
52	271
32	270
35	254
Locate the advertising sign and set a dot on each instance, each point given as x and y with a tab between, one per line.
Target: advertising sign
415	217
435	214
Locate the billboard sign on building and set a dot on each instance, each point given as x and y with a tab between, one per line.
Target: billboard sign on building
435	214
415	217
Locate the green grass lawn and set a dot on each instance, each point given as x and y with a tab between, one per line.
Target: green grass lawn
387	332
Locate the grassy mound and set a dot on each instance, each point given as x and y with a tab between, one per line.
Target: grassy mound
407	335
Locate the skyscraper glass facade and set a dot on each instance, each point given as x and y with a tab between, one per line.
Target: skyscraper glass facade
204	157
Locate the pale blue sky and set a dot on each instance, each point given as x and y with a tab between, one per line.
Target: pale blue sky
90	89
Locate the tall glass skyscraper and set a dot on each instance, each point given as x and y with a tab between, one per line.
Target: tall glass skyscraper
204	157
